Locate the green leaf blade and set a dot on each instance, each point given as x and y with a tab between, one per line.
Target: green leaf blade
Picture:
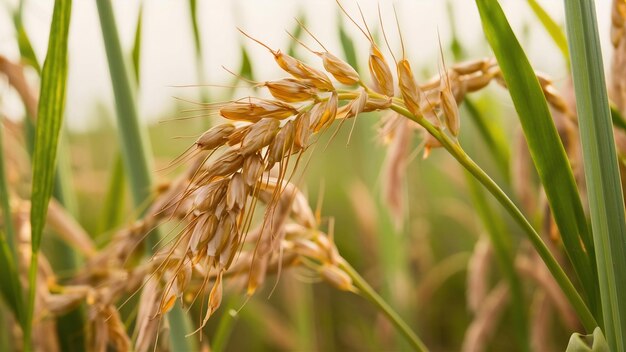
136	52
544	143
606	203
50	119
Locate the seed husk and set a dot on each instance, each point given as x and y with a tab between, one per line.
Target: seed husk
215	299
198	232
237	192
339	69
472	66
207	196
291	90
260	135
337	278
300	70
317	78
328	114
477	82
450	110
411	92
373	104
381	74
302	130
282	143
226	164
215	137
254	109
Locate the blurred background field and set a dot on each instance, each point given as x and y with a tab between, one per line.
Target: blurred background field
418	264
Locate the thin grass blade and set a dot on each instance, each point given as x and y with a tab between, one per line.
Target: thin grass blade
50	119
554	30
606	202
134	146
136	52
544	144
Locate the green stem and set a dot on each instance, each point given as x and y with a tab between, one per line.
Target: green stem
559	275
368	293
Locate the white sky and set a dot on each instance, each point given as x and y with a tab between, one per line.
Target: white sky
168	53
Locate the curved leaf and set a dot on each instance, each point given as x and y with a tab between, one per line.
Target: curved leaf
544	143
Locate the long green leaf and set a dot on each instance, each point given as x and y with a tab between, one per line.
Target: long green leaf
606	202
136	151
63	191
50	118
553	29
544	143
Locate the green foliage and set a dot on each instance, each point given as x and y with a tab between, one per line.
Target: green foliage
50	120
136	52
606	202
544	143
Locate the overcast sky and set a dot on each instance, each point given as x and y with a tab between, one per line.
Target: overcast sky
168	53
